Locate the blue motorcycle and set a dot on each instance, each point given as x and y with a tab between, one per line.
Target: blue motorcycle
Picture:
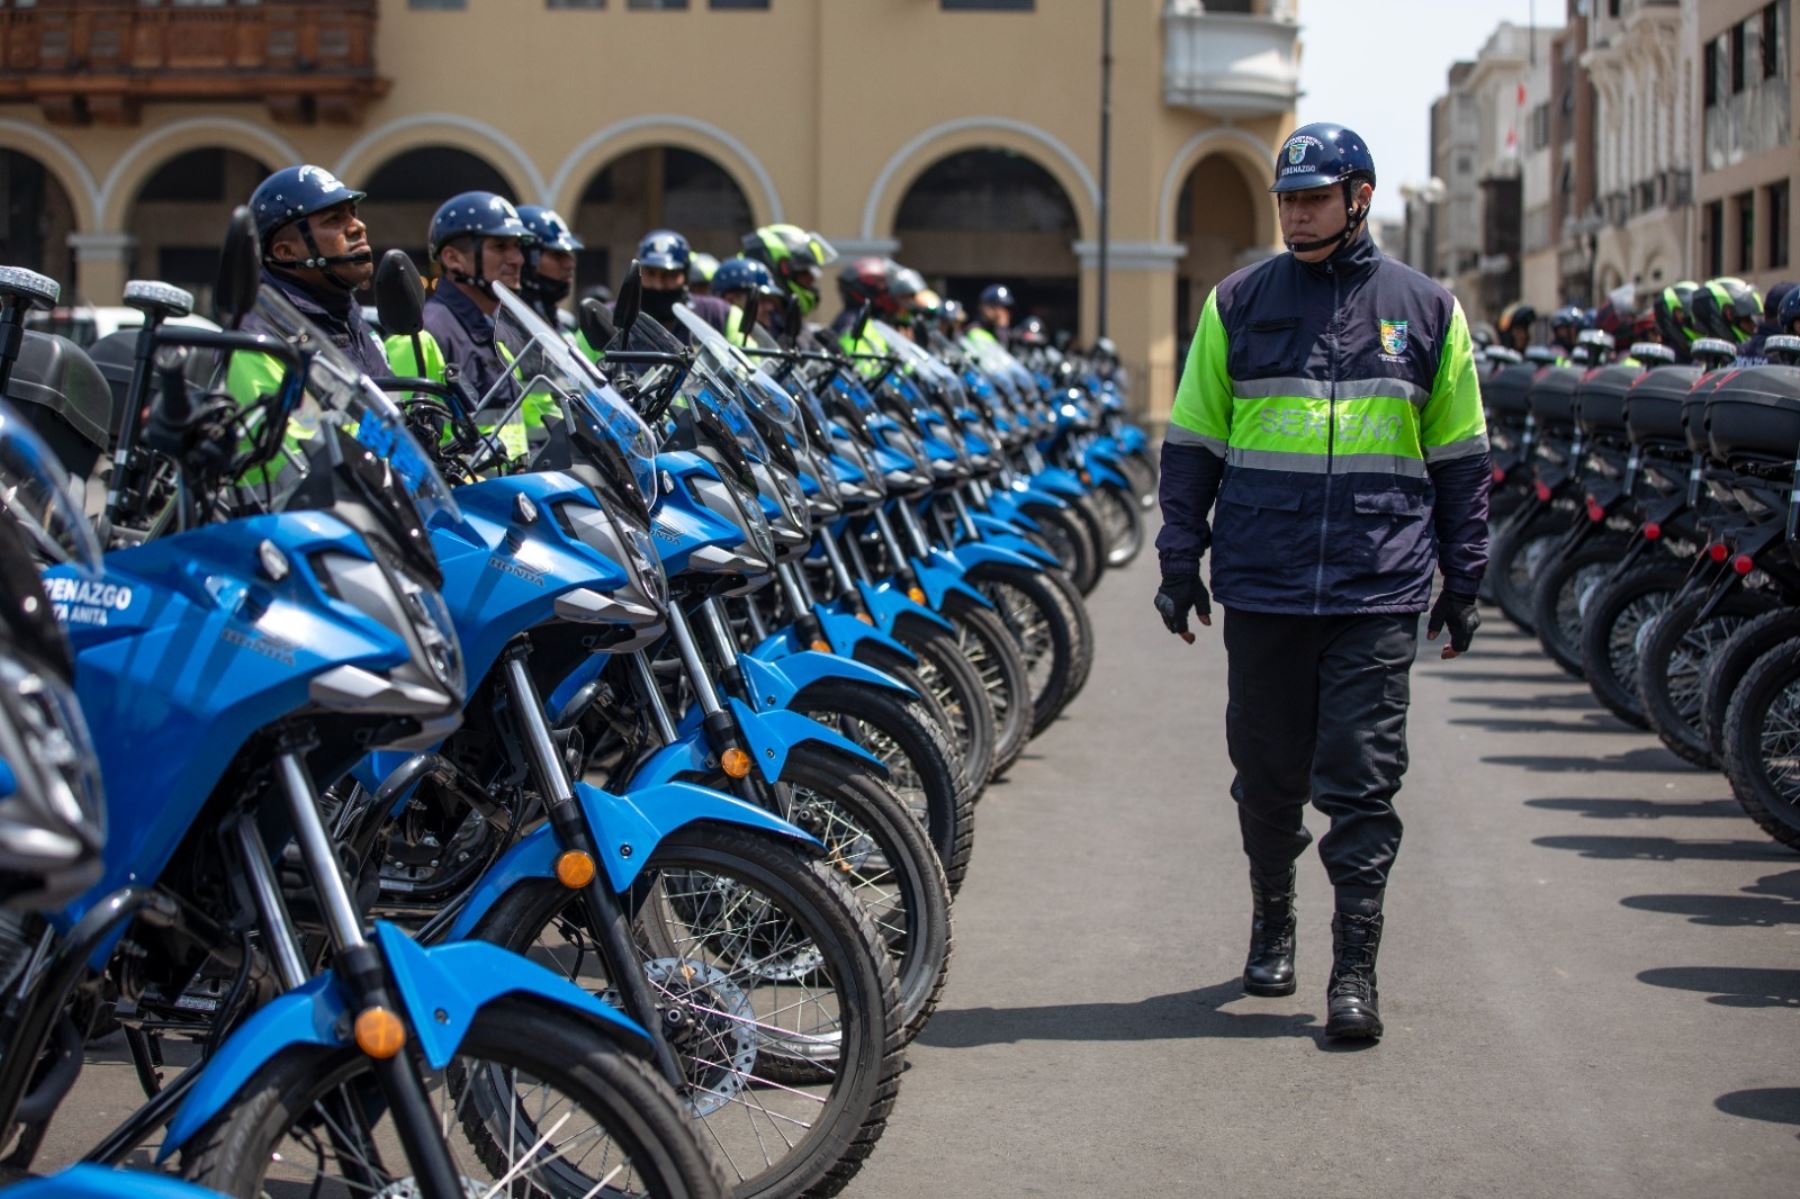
225	669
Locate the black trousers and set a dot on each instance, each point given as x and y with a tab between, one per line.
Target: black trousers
1317	710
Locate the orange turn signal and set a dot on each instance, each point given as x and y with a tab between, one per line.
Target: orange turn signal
575	869
916	594
865	618
379	1033
822	646
735	762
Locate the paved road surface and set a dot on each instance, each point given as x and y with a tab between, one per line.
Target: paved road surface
1591	982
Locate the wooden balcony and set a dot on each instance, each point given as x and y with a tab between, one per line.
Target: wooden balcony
102	60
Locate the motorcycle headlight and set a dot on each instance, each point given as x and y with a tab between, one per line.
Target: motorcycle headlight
52	813
410	608
604	531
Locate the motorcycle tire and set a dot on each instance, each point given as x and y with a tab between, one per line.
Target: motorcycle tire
1610	629
984	642
1123	523
954	689
1761	743
1037	614
1673	663
857	1057
917	753
1088	515
1562	595
1518	560
608	1088
1081	621
1141	474
1065	536
1726	669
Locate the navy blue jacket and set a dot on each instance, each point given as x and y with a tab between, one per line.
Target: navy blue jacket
465	335
1332	410
337	315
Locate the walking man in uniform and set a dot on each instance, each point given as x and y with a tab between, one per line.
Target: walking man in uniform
1329	407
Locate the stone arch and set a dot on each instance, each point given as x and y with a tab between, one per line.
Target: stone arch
664	130
40	218
1242	148
64	165
426	130
148	155
940	142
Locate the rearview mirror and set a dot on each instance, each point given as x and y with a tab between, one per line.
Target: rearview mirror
240	270
399	295
596	323
630	301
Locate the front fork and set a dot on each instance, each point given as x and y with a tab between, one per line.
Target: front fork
606	916
357	963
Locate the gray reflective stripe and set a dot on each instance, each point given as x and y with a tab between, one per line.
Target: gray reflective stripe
1321	389
1177	435
1468	447
1318	464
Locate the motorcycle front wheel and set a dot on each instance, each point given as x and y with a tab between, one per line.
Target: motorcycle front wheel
537	1102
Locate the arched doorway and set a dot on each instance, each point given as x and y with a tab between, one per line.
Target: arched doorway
1215	218
985	216
35	220
407	190
178	217
660	187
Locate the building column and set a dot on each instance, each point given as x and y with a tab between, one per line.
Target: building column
102	261
1140	316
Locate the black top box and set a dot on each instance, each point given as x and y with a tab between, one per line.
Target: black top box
1653	406
1755	413
1600	400
1552	398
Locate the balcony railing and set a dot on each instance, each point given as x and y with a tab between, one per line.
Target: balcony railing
100	60
1229	64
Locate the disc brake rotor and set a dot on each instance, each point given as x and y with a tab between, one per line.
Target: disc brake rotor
714	1033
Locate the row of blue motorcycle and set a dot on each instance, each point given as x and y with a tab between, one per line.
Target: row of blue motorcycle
554	792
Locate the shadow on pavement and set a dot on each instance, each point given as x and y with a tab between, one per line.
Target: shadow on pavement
1183	1015
1452	671
1731	986
1638	809
1664	849
1648	760
1514	724
1530	703
1774	900
1777	1105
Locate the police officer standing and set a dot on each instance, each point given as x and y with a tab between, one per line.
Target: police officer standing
547	276
993	317
663	259
1330	407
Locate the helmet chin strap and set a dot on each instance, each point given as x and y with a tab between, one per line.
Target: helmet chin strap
320	262
478	281
1354	218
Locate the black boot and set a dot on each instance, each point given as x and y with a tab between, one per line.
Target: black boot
1269	970
1353	1003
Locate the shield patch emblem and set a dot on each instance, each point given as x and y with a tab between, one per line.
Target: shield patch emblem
1393	338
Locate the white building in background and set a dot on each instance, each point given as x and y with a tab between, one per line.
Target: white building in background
1643	76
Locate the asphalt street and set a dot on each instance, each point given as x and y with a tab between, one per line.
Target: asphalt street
1590	977
1591	974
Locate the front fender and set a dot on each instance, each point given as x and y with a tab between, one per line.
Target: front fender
989	524
1134	439
445	987
775	686
627	829
1060	481
1027	494
889	605
772	736
970	554
1101	473
941	578
1013	543
313	1013
99	1182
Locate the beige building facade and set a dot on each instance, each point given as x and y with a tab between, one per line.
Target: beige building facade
1745	105
960	136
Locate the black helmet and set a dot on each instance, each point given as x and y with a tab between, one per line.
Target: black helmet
1726	308
1031	332
871	281
1789	312
1324	155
